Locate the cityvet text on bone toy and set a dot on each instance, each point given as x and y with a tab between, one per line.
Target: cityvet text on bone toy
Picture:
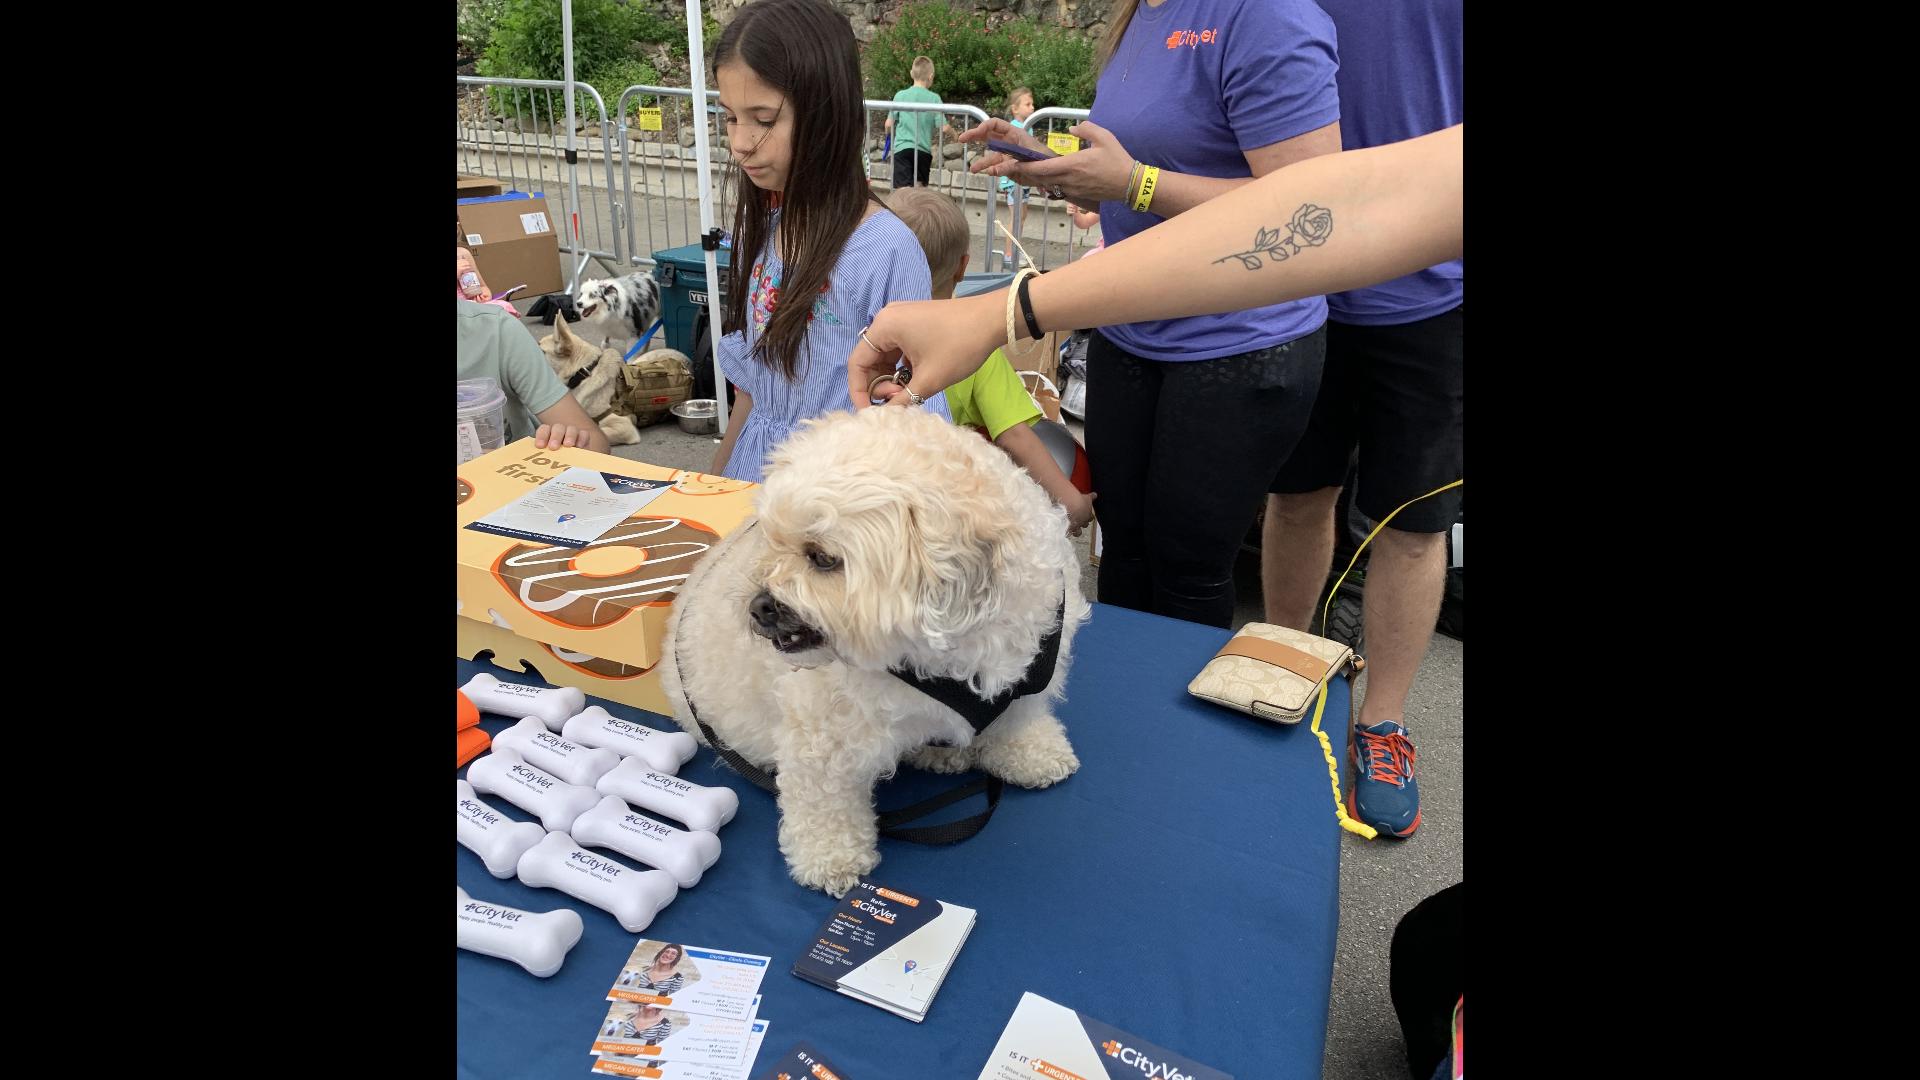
496	838
536	940
553	800
663	751
633	897
615	825
576	763
551	705
699	807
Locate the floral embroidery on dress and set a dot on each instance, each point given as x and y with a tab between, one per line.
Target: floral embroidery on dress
765	299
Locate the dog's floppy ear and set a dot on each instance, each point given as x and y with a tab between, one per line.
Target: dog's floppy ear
955	538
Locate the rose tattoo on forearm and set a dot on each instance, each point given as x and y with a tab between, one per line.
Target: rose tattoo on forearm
1310	227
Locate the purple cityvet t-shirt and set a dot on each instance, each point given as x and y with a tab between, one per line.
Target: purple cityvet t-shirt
1192	85
1400	78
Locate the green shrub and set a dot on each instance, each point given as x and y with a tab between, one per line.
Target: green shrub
1055	64
617	78
965	56
473	23
610	46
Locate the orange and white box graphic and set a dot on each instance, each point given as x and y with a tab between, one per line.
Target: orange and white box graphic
592	616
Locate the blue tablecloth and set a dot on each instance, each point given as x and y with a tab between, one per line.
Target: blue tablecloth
1182	886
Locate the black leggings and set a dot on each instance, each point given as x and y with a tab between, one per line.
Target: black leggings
1182	453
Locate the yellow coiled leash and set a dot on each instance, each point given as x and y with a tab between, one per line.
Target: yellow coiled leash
1320	704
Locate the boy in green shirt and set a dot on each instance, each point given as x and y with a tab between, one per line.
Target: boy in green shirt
992	400
913	131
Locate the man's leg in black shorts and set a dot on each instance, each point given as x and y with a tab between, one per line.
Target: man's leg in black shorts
1396	393
923	166
902	170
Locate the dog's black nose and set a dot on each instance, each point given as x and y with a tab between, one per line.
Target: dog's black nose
765	611
779	624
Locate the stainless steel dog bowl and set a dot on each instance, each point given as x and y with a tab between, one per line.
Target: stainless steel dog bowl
697	416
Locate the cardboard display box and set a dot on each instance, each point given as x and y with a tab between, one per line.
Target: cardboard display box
488	643
591	617
514	241
476	187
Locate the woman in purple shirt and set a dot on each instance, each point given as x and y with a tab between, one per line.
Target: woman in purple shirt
1189	419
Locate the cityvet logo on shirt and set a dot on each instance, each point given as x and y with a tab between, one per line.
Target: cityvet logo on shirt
1193	39
1162	1070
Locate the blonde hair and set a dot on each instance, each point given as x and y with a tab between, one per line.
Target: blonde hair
940	226
923	69
1117	20
1014	95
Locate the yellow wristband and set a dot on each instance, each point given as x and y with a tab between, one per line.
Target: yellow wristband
1149	177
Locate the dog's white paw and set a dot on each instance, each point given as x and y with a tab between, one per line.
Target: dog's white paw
619	429
1033	760
942	759
832	872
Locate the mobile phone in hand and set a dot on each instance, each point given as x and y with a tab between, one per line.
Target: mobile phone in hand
1021	152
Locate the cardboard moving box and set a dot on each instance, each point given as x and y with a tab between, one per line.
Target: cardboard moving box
514	241
476	187
591	617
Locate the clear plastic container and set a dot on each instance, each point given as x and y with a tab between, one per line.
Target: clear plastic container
483	418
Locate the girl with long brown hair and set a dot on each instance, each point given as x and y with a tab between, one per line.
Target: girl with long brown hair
816	255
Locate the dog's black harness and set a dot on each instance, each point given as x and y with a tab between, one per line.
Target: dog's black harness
580	376
955	694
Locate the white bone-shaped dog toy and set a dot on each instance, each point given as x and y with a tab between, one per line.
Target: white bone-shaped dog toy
536	940
699	807
496	838
615	825
570	761
556	802
551	705
633	897
663	751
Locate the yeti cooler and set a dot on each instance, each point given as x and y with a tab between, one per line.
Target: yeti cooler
685	301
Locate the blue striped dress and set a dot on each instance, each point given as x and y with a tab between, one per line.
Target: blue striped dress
881	263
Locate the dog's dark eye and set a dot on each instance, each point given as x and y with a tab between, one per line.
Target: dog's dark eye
822	561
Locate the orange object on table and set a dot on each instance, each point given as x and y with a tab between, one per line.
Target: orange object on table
469	712
472	742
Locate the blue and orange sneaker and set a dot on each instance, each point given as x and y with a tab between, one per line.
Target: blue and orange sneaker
1383	793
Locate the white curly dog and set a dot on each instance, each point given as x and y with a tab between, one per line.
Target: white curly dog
887	541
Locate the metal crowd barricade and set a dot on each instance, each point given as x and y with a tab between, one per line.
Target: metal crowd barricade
1044	122
499	138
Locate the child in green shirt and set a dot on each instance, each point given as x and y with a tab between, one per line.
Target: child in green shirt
992	400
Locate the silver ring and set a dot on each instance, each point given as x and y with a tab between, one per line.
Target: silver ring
871	345
913	397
